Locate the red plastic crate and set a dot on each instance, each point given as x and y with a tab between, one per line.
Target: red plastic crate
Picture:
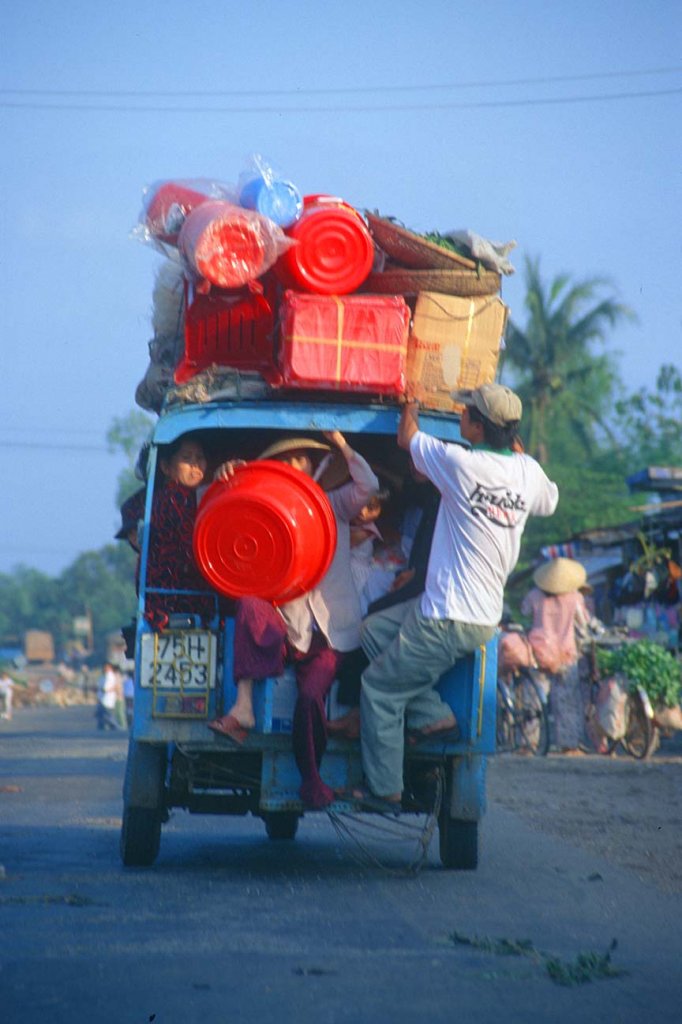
231	329
345	343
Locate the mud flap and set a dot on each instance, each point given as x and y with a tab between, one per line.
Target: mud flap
465	787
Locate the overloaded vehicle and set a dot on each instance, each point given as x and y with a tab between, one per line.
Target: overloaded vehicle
329	336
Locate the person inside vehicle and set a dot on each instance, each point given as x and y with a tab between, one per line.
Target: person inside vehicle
313	632
488	491
416	534
132	511
371	580
170	560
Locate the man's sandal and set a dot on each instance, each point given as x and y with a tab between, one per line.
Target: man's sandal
369	801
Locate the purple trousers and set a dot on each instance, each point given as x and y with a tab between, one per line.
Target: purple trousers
260	650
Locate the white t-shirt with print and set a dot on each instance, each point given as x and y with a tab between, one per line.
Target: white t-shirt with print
487	497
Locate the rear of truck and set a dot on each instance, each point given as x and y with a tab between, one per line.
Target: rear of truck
184	672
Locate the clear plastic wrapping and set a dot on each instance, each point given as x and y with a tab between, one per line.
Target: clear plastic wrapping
229	246
262	188
167	204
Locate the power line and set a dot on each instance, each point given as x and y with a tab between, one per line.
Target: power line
473	105
346	90
55	447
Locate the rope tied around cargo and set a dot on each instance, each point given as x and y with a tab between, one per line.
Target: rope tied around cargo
391	826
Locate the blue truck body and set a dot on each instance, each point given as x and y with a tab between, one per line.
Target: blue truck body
184	676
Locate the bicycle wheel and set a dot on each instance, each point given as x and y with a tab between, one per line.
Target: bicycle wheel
504	721
531	719
641	735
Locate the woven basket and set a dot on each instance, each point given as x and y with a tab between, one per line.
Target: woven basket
466	283
412	250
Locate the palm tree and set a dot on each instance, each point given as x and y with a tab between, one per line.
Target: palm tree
557	369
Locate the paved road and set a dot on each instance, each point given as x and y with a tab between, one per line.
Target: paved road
229	926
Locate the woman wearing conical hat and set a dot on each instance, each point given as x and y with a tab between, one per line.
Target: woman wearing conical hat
557	607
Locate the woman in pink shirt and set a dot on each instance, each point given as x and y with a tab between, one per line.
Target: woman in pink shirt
558	608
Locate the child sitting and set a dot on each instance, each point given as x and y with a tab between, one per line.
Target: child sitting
371	579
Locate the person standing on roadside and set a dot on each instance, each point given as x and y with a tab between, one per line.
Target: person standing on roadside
488	491
7	693
108	689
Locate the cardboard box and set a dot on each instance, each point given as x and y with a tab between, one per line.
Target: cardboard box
344	343
454	343
38	645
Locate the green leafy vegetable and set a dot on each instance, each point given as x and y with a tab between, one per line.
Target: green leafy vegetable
447	243
648	665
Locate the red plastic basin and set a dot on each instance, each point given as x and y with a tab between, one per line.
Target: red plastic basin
269	531
335	250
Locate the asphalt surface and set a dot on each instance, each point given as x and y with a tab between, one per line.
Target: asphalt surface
229	926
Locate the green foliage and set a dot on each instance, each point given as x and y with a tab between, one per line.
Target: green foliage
127	434
586	967
648	665
651	421
99	581
447	243
566	387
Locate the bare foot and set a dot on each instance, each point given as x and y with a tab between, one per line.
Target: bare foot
347	726
445	729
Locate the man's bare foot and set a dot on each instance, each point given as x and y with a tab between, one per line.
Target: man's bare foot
348	726
444	725
445	729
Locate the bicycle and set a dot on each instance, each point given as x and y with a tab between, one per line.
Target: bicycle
633	726
522	722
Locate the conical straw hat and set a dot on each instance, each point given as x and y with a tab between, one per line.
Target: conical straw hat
334	474
293	444
560	576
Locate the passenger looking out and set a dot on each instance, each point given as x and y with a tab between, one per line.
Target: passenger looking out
313	632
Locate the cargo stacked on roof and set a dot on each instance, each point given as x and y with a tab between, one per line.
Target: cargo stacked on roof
266	291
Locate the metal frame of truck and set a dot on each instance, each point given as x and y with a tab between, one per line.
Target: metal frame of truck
174	761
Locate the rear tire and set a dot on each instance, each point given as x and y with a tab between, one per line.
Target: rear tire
458	843
641	736
144	806
531	717
140	836
281	824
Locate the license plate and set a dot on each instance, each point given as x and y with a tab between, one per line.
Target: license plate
178	660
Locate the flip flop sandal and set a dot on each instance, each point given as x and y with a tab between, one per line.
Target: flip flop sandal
369	801
230	728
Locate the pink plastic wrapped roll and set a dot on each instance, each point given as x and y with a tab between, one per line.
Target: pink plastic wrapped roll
166	208
229	246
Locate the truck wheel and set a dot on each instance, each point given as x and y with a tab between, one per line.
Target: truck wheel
458	843
281	824
143	804
140	837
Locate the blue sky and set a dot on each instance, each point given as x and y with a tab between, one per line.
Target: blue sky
443	114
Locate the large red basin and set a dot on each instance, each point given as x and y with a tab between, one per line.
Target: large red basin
269	531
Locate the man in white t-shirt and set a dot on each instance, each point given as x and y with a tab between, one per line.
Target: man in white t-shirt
487	493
